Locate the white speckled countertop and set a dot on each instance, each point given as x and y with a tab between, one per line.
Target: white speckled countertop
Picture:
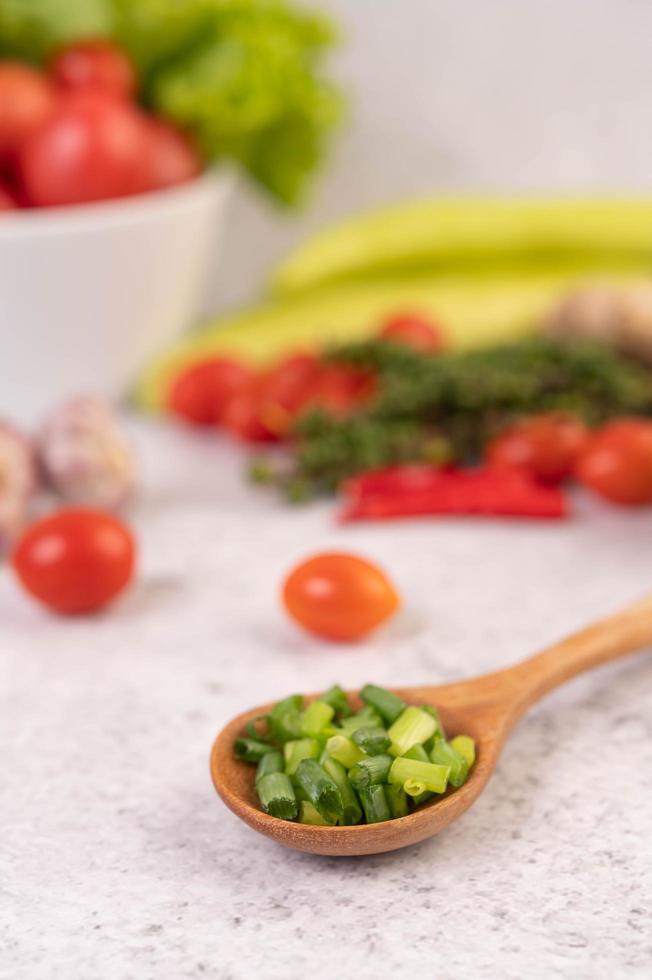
118	862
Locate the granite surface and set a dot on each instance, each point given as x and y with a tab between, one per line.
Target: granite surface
118	862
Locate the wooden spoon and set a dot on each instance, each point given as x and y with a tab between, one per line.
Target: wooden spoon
485	707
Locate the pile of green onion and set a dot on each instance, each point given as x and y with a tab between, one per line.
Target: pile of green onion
323	764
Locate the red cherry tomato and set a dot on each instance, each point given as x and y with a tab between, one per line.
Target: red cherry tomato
414	331
93	147
244	418
339	596
172	158
76	560
95	64
286	388
547	446
340	389
27	99
7	202
617	463
200	393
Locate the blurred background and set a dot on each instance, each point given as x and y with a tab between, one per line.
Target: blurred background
458	94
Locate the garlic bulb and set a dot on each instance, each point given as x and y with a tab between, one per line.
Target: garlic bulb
619	314
84	456
17	482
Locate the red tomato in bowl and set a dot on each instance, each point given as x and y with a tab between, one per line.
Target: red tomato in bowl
244	415
286	388
547	446
172	157
617	462
76	560
95	64
201	392
27	99
414	331
93	147
339	596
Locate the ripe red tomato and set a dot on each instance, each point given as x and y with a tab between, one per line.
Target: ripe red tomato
414	331
617	463
172	157
7	202
339	596
339	389
95	64
27	99
285	389
93	147
547	446
243	415
76	560
200	393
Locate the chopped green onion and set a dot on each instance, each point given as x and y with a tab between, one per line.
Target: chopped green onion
371	739
277	796
368	716
388	705
338	700
370	770
344	750
444	754
352	812
269	763
320	790
308	814
413	727
465	745
397	800
295	752
416	788
284	720
432	711
252	730
374	804
315	718
250	749
419	753
433	777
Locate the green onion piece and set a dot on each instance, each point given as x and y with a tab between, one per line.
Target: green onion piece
344	750
397	800
388	705
371	739
465	745
277	796
413	727
432	711
320	790
295	752
374	804
338	700
308	814
315	718
415	788
250	749
419	753
284	720
292	703
369	771
433	777
444	754
368	716
352	813
252	730
270	762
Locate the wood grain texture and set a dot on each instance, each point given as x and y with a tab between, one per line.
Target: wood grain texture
485	707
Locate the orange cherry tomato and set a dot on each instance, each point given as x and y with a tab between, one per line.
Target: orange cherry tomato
76	560
339	596
414	331
547	446
617	463
201	392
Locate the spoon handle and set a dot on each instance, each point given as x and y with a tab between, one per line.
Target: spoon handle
624	632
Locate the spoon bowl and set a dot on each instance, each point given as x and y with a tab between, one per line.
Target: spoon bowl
486	708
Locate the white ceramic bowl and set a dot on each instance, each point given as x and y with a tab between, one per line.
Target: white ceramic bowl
88	294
